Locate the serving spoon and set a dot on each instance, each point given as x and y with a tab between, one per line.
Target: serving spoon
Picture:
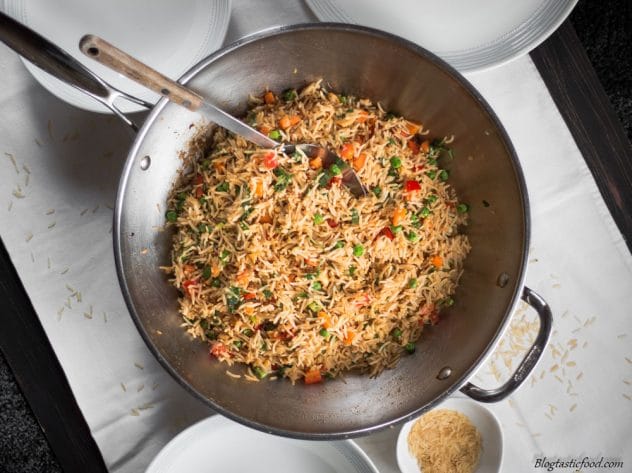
121	62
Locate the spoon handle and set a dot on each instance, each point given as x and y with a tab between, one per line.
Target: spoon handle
112	57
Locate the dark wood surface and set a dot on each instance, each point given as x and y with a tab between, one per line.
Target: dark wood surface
581	100
578	94
41	378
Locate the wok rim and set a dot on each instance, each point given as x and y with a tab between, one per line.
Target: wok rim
518	282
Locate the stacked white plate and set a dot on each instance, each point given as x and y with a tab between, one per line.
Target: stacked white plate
470	35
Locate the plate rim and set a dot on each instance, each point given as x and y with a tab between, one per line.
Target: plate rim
489	55
219	421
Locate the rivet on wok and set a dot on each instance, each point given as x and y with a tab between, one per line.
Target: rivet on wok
502	280
444	373
145	163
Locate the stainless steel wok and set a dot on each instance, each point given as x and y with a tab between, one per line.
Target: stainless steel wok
404	78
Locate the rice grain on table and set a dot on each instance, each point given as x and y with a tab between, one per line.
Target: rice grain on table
282	269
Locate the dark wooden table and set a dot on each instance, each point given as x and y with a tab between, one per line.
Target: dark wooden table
576	90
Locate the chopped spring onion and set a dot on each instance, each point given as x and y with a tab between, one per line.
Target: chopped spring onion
355	217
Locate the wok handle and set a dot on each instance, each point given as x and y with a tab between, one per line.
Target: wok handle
112	57
528	362
54	60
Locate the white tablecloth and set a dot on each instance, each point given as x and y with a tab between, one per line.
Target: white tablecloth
59	169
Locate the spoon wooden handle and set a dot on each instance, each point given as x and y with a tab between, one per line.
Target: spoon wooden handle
119	61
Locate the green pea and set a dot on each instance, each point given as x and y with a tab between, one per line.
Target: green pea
462	208
412	283
318	219
443	175
358	250
410	347
412	236
396	162
275	135
171	216
317	286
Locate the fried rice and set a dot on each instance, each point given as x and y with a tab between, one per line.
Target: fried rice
282	269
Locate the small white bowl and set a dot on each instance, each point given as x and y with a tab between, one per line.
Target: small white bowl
486	423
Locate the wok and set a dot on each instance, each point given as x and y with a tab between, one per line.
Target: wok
405	78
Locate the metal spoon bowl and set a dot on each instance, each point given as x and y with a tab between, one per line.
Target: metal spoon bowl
112	57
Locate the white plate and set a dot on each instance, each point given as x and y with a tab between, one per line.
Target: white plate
470	35
220	445
486	423
168	35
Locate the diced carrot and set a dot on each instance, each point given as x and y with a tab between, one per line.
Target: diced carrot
316	163
295	120
358	162
269	98
412	127
425	146
248	310
413	146
265	218
347	151
243	277
284	122
348	340
313	376
258	188
326	319
248	296
363	115
215	270
219	166
332	223
188	269
292	277
437	261
398	215
265	129
311	262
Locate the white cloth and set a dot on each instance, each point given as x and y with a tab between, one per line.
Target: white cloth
55	209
